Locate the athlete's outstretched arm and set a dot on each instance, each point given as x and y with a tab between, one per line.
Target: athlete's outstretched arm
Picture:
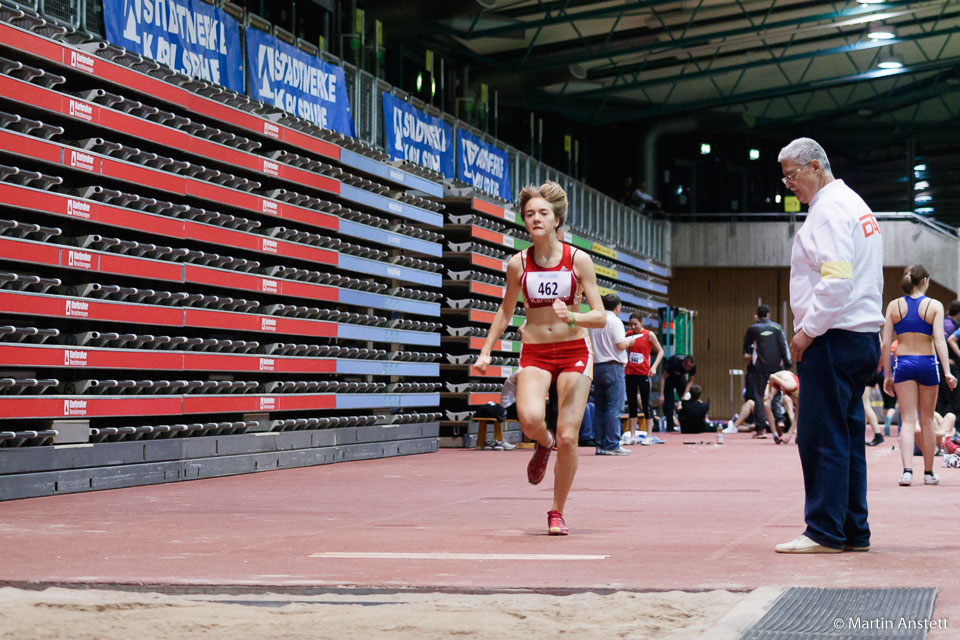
502	318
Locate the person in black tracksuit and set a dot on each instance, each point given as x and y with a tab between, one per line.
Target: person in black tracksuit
677	377
765	347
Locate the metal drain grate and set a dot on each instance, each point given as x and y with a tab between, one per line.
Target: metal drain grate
803	613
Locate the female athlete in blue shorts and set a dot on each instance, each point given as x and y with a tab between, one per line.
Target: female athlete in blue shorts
918	322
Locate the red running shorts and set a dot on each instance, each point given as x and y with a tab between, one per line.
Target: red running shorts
558	357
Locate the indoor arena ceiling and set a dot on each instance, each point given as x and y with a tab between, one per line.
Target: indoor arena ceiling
767	62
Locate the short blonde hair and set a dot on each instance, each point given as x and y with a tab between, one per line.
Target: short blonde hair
552	192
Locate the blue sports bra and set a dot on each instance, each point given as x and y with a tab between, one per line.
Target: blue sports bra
911	321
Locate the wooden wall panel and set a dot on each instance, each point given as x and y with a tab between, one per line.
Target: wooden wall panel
725	300
891	287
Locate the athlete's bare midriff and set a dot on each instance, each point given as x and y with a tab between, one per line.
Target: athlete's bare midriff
912	343
543	327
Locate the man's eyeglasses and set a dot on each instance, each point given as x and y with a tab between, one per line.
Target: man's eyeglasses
789	178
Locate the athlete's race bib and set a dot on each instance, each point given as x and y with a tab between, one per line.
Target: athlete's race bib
636	358
548	285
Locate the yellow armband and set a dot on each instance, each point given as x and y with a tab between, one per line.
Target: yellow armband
836	270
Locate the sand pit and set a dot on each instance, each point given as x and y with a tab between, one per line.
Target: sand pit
96	614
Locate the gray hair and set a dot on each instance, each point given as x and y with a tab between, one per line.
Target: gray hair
804	151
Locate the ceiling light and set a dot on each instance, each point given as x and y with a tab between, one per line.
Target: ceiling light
922	199
923	210
923	184
869	18
871	1
880	31
578	71
920	167
890	61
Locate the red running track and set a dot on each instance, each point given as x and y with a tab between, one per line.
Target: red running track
670	516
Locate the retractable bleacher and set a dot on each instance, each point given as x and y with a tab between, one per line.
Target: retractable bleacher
195	284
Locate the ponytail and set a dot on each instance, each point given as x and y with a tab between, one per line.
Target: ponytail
913	277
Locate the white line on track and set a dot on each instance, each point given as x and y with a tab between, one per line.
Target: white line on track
360	555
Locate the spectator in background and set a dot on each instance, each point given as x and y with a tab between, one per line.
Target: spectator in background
868	412
889	402
738	423
507	409
643	201
508	397
783	388
944	429
638	374
628	189
747	391
742	420
764	347
948	400
586	437
951	320
609	387
677	377
693	412
953	345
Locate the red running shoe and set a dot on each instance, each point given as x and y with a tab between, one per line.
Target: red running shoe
537	467
555	524
949	446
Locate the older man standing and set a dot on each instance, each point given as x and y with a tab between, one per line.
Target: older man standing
836	283
609	386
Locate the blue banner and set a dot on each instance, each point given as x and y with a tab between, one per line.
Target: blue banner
189	36
298	83
483	166
417	137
